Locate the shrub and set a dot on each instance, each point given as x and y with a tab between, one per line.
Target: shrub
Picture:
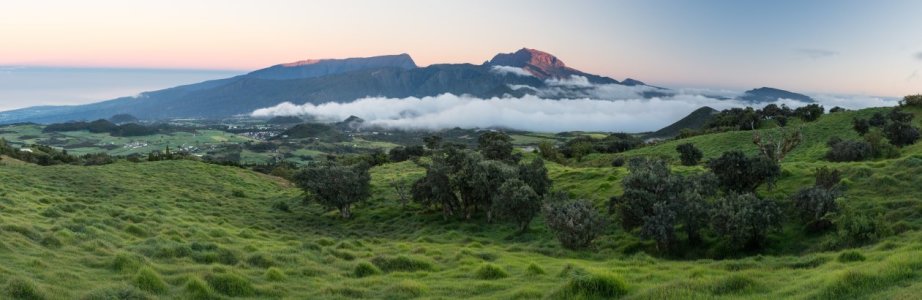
489	272
575	223
744	220
365	269
116	293
900	131
18	288
861	126
850	256
617	162
593	286
689	154
855	228
495	146
148	280
827	178
230	284
877	120
401	263
737	172
816	206
850	151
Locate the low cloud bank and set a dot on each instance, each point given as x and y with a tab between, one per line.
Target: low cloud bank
597	108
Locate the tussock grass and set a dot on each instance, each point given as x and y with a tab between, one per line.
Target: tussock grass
598	285
365	269
149	280
406	289
230	284
401	263
490	272
850	256
24	289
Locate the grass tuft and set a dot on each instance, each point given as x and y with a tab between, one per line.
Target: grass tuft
149	280
231	284
18	288
125	292
534	269
274	274
365	269
850	256
406	289
490	272
401	263
196	289
593	286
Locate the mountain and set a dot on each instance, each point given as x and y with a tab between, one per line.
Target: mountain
767	94
543	65
323	67
326	80
695	120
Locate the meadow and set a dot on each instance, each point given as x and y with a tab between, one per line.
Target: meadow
190	230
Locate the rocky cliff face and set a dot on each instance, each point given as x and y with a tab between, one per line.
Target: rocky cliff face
542	65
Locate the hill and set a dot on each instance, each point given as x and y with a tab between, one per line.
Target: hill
767	94
189	230
695	120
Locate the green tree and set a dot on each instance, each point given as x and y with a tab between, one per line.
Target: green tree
535	175
912	100
809	113
861	126
517	202
335	186
433	142
495	146
435	189
899	130
689	154
739	173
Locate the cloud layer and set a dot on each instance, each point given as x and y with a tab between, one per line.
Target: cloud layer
586	107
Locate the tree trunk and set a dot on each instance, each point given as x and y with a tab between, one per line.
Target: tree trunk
344	212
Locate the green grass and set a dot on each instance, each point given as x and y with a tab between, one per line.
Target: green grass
181	230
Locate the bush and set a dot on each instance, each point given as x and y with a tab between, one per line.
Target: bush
401	263
575	223
231	284
861	126
855	228
593	286
365	269
744	220
912	100
18	288
827	178
816	206
739	173
850	256
850	151
148	280
489	272
617	162
689	154
900	131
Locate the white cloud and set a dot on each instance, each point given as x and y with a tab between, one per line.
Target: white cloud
597	108
510	70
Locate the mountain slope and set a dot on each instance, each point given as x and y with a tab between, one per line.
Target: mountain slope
767	94
695	120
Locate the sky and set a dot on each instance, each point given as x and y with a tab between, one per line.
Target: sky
822	46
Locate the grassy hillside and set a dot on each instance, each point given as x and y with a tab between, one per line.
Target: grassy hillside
188	230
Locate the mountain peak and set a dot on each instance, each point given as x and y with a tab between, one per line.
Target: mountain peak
542	65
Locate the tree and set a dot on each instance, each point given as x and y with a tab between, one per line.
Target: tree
689	154
575	223
739	173
517	202
432	142
403	191
777	147
335	186
827	178
535	175
861	126
744	220
809	113
900	131
548	151
877	120
912	100
435	189
495	146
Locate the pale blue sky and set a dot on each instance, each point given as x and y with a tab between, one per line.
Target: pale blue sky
822	46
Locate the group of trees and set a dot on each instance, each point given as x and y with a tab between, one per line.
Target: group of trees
751	119
882	136
582	145
103	126
46	155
